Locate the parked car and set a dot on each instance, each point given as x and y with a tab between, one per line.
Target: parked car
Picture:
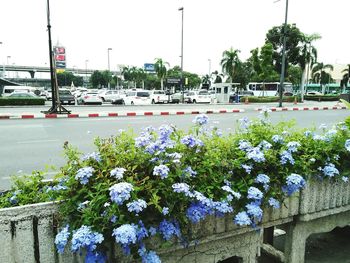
66	97
198	96
23	95
178	97
137	97
118	99
89	98
159	96
109	95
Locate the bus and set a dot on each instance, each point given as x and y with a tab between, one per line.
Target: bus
7	90
265	89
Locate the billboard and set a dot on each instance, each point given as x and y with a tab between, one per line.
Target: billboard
60	57
149	67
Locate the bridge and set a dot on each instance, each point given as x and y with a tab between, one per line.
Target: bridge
33	69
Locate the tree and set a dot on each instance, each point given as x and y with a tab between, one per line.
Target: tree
206	82
96	79
294	39
307	56
217	76
230	62
267	70
161	70
319	74
345	80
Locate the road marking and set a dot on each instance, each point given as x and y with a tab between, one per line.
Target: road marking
36	141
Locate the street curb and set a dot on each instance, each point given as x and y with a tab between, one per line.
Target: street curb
301	108
118	114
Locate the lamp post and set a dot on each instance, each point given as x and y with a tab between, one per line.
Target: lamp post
283	57
7	64
182	51
109	68
209	60
3	70
86	61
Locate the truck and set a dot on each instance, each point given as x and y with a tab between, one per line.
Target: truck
159	96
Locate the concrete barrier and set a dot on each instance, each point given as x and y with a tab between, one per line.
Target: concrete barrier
27	233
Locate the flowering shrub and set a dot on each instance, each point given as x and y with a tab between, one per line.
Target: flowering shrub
135	187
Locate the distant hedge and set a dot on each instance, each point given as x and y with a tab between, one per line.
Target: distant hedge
21	101
268	99
322	97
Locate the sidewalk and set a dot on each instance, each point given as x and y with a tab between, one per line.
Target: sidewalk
158	110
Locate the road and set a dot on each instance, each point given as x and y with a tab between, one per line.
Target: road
28	145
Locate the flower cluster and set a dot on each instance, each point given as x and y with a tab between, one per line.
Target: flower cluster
161	170
84	174
201	119
84	237
61	239
136	206
294	183
94	156
120	192
118	173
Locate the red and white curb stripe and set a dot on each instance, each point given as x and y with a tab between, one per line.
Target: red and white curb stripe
117	114
301	108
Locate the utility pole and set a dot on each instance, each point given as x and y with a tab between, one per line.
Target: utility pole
182	52
283	57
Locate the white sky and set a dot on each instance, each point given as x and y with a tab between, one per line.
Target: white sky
139	31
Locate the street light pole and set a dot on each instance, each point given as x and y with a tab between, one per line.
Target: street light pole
109	68
7	65
2	74
209	67
182	51
86	61
283	57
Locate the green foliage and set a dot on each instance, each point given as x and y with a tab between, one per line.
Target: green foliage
327	97
67	78
5	101
256	99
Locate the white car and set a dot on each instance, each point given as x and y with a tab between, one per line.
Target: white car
159	96
138	97
90	98
198	96
109	95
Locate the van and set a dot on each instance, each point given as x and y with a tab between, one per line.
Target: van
7	90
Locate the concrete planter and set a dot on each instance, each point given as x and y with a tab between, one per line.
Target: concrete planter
27	235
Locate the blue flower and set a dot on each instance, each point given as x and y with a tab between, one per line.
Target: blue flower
95	156
143	140
83	174
165	210
82	205
347	145
345	179
294	183
169	229
191	141
286	157
189	171
265	145
222	207
264	180
293	146
254	210
125	234
152	231
323	126
84	237
229	190
120	192
274	203
141	231
201	119
182	188
13	199
256	155
244	145
308	133
161	170
150	257
330	170
114	218
254	193
175	156
62	239
95	257
164	132
244	123
242	219
118	172
247	168
136	206
196	212
277	139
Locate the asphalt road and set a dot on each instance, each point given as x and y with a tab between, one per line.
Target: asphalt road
28	145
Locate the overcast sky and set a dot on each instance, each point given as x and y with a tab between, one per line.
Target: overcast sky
138	31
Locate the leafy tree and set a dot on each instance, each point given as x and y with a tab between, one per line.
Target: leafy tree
345	80
230	62
267	70
161	70
66	78
319	74
96	79
307	56
294	39
206	81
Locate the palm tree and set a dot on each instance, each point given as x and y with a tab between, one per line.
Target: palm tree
206	81
307	56
346	77
230	62
319	75
161	70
